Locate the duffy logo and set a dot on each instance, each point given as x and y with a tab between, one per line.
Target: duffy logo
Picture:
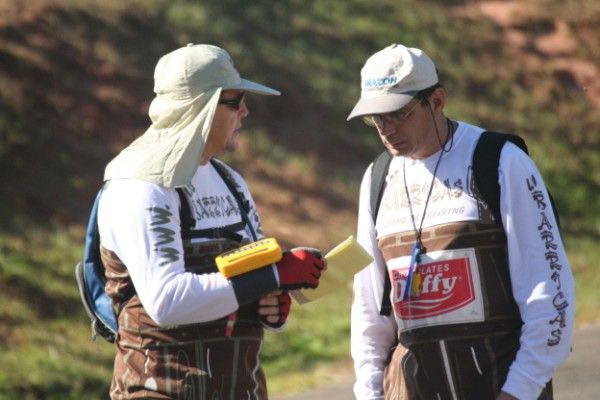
437	288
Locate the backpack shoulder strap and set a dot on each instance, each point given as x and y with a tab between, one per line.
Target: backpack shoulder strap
185	212
486	159
243	204
91	281
381	164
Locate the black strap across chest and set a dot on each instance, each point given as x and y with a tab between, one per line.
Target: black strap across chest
188	222
485	162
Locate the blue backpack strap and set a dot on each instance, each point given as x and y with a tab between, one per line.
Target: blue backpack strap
381	164
91	279
90	275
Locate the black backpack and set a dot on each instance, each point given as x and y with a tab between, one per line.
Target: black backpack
486	159
89	272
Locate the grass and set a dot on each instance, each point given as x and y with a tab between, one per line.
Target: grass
312	52
46	349
317	334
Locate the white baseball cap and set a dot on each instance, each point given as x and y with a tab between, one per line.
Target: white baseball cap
391	78
193	69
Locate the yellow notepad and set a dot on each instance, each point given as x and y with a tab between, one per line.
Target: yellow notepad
343	261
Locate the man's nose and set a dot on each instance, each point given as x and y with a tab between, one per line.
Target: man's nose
386	127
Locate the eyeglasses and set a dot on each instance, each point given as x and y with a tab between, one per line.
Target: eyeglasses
233	103
378	120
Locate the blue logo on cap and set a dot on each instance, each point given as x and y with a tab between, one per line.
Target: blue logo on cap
385	81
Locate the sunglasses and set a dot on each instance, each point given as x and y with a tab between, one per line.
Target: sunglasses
233	103
378	120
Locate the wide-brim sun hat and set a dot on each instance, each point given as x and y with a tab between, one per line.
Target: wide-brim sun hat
194	69
391	78
188	83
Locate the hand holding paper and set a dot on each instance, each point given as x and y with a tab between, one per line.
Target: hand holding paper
343	261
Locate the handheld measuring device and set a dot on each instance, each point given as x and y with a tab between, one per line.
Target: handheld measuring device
249	257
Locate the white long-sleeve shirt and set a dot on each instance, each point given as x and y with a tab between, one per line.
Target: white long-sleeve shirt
539	288
140	222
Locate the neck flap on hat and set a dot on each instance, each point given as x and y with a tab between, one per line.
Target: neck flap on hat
168	153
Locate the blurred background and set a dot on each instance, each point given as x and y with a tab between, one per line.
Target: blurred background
76	83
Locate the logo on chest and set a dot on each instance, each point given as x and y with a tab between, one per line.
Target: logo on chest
442	283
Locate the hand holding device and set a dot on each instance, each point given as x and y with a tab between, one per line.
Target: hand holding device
274	309
300	268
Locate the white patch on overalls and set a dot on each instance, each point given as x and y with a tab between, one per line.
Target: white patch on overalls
146	363
208	363
151	384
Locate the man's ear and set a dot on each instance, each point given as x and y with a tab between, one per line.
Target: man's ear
437	100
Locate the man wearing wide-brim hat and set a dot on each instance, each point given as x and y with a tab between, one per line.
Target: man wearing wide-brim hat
168	208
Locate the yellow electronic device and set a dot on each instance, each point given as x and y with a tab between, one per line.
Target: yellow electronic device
249	257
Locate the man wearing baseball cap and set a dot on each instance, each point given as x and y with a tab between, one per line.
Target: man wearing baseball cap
460	302
168	207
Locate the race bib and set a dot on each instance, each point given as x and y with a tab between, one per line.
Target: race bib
445	289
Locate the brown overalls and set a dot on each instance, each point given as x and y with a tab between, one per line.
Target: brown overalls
467	361
201	361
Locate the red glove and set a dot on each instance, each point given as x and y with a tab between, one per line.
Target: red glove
285	302
300	268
